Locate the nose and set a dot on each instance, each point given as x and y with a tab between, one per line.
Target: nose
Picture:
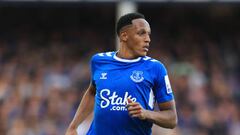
148	39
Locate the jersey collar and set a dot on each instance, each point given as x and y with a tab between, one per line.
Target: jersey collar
125	60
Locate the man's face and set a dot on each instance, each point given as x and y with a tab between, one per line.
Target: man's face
138	37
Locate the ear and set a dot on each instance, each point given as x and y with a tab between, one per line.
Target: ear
123	36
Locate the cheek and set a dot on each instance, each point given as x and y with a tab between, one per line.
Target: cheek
137	41
136	45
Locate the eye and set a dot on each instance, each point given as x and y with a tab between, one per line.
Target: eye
149	33
141	32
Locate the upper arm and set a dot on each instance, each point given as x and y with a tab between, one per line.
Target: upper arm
92	88
169	109
170	105
92	85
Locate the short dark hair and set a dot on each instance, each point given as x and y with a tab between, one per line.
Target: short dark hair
127	20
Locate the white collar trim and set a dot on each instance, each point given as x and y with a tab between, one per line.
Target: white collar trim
125	60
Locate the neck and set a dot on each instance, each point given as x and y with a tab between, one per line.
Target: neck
125	53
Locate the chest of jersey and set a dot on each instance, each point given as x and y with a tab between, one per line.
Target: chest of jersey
115	84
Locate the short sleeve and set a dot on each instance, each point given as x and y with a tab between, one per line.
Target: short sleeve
162	87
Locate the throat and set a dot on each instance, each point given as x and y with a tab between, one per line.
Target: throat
126	55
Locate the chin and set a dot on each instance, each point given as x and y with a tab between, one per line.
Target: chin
142	54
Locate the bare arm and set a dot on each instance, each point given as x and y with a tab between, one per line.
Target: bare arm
84	109
166	118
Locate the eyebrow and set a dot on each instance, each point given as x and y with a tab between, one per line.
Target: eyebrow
144	30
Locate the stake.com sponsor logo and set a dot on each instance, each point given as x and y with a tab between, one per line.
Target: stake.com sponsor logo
117	103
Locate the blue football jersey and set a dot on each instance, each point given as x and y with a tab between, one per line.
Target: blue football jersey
143	80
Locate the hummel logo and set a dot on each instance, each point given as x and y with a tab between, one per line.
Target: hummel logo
103	76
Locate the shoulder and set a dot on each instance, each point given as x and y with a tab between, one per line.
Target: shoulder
153	62
102	56
155	66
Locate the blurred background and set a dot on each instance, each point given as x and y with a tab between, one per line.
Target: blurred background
45	47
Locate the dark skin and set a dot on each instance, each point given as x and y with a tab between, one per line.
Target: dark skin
166	118
134	39
85	108
134	42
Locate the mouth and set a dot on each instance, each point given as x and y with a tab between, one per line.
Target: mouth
145	48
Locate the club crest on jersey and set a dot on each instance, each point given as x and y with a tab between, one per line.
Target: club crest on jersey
137	76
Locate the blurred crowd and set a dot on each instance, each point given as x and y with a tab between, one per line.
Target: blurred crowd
44	73
202	56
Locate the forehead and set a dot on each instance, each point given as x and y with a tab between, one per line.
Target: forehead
140	23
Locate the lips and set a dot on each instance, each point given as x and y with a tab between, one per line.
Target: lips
146	47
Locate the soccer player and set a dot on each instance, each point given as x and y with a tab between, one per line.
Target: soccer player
125	85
